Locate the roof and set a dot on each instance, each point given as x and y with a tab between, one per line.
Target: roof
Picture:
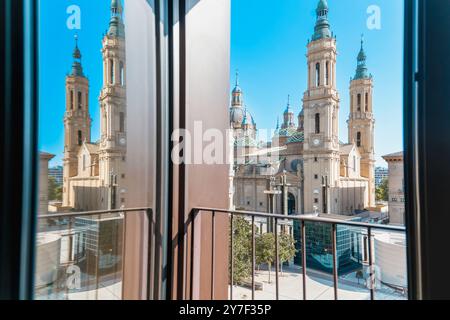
396	155
346	149
296	138
287	132
92	148
46	155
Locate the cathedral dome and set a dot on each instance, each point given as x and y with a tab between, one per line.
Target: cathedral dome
322	5
248	118
236	116
237	89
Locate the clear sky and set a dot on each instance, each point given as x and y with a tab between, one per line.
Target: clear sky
268	46
55	61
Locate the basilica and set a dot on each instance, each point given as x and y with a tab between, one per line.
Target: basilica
313	171
94	172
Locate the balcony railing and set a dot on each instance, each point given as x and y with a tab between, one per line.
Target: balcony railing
303	222
80	255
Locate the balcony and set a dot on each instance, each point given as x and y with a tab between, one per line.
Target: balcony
83	256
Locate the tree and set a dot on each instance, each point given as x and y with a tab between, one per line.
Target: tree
54	189
382	191
242	237
286	248
265	250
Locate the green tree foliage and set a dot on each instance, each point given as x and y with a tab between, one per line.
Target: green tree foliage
265	250
382	191
242	237
286	248
54	190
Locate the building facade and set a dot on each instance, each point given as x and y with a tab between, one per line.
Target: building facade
306	161
396	202
94	172
380	175
57	173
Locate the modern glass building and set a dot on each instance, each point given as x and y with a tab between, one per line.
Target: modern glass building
319	248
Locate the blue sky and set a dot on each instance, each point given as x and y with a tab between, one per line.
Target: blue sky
268	46
55	61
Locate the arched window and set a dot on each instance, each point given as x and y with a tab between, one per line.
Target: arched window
327	73
122	122
358	139
367	102
111	71
122	74
80	138
71	99
80	100
359	102
317	74
317	123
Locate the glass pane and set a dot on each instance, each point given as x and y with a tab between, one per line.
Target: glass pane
93	169
316	117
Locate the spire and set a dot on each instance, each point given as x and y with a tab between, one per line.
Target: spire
116	26
77	69
278	123
245	119
237	95
322	28
288	107
361	69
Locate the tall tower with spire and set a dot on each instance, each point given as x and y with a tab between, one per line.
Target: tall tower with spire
321	119
77	121
113	110
361	122
288	116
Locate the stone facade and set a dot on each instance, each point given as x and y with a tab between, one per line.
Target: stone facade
94	173
315	172
396	202
44	158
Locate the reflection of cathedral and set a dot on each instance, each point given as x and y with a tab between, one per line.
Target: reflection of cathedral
94	172
324	175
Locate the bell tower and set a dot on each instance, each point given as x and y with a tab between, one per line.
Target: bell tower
113	112
77	121
321	120
361	122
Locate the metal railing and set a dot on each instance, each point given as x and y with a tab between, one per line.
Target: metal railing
302	219
63	225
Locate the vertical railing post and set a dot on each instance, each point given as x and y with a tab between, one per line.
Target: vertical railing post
231	255
194	215
276	261
335	263
304	258
253	257
150	252
371	273
213	253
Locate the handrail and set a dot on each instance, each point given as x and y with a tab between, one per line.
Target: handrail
150	246
306	218
91	213
303	219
